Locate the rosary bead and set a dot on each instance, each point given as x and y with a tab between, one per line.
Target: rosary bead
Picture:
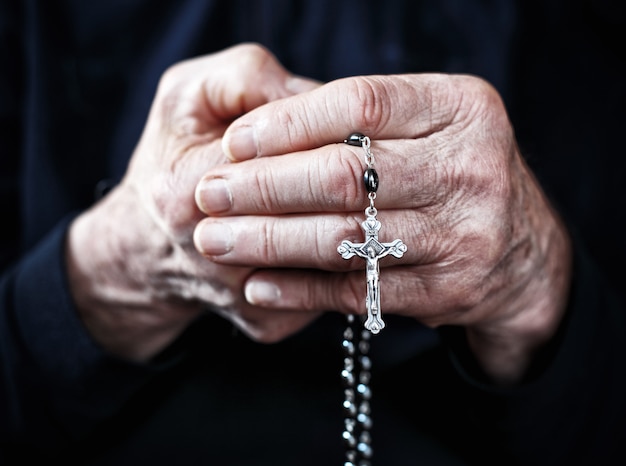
370	178
349	438
365	361
364	407
350	408
348	347
365	450
364	346
348	363
364	391
364	420
348	377
350	425
365	437
355	139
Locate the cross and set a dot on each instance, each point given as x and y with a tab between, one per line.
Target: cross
372	251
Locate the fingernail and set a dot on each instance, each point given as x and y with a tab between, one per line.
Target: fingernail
214	238
240	143
213	196
262	293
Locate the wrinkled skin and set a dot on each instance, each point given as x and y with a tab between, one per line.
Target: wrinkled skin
486	250
268	201
137	280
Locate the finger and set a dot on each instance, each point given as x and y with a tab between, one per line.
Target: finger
194	102
382	107
402	292
328	179
306	290
199	93
311	241
434	299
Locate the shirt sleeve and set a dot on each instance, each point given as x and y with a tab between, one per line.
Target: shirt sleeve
571	409
57	384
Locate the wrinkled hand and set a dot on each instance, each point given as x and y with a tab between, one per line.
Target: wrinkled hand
485	249
136	278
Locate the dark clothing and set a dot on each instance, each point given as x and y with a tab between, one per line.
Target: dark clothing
76	84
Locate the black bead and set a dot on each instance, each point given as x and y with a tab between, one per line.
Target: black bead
370	178
355	139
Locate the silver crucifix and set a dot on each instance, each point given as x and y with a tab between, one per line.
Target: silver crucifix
372	251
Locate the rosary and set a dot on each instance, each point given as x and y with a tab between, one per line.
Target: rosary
357	364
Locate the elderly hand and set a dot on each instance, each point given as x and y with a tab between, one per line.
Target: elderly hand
136	278
485	249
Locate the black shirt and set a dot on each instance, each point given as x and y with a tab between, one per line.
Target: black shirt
77	82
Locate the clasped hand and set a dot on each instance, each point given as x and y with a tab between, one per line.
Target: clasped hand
240	191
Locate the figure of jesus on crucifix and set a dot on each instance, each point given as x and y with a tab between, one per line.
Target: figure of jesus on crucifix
372	251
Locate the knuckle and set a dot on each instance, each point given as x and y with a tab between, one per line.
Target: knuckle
368	103
173	78
481	103
271	241
172	75
309	297
253	61
296	124
268	196
251	54
342	170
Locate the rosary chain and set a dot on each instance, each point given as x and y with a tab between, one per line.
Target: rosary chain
356	343
356	376
356	371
